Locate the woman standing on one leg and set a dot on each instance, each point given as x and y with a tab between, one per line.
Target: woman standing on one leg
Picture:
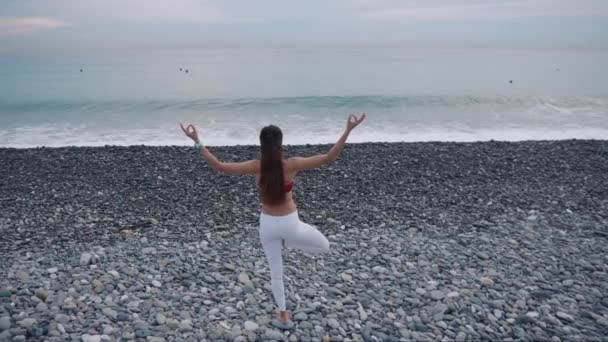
279	221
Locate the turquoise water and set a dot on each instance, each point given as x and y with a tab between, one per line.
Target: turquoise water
409	94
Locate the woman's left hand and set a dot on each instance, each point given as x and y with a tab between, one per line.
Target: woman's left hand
190	132
354	121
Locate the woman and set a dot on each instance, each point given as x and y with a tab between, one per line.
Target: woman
279	222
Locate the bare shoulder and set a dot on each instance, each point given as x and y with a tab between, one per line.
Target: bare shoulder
288	165
306	163
241	168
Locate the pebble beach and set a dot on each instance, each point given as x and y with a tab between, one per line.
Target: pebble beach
432	241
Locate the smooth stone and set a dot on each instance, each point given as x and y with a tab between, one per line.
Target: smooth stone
110	312
248	288
453	294
27	323
250	326
185	325
497	313
156	283
148	250
62	318
332	322
568	282
300	316
142	333
172	323
564	316
272	334
42	294
518	332
379	269
90	338
244	278
346	277
309	292
122	316
420	291
5	335
52	270
335	291
127	335
5	323
160	318
437	295
362	313
483	255
114	274
155	339
85	259
486	281
305	325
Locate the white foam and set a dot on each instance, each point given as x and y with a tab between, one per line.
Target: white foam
58	136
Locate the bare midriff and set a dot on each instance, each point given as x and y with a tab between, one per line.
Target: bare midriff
288	206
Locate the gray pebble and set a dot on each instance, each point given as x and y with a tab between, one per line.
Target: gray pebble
437	295
250	326
5	323
332	322
85	259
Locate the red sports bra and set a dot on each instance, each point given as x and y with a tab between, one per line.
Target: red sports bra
289	186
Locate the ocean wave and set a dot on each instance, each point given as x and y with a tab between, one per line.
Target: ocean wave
57	136
319	102
303	119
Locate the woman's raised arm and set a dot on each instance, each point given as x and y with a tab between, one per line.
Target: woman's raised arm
306	163
243	168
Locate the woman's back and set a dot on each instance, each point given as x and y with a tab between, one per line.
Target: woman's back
288	205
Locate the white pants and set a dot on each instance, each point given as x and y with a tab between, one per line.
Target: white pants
274	230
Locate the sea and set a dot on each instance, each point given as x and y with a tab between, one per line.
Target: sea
139	96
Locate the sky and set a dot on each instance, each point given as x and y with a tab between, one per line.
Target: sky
56	26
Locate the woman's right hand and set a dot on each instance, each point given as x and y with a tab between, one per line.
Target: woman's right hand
354	121
190	132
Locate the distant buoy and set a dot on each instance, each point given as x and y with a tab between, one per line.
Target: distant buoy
186	71
180	69
511	81
80	70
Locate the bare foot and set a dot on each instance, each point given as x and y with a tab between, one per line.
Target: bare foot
284	316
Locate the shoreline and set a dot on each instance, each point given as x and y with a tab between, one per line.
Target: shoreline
427	239
315	144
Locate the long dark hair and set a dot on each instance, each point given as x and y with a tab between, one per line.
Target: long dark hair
272	179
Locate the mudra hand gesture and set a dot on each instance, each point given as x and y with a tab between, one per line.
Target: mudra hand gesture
354	121
190	132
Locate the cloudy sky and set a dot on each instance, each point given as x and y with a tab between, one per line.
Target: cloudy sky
58	25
